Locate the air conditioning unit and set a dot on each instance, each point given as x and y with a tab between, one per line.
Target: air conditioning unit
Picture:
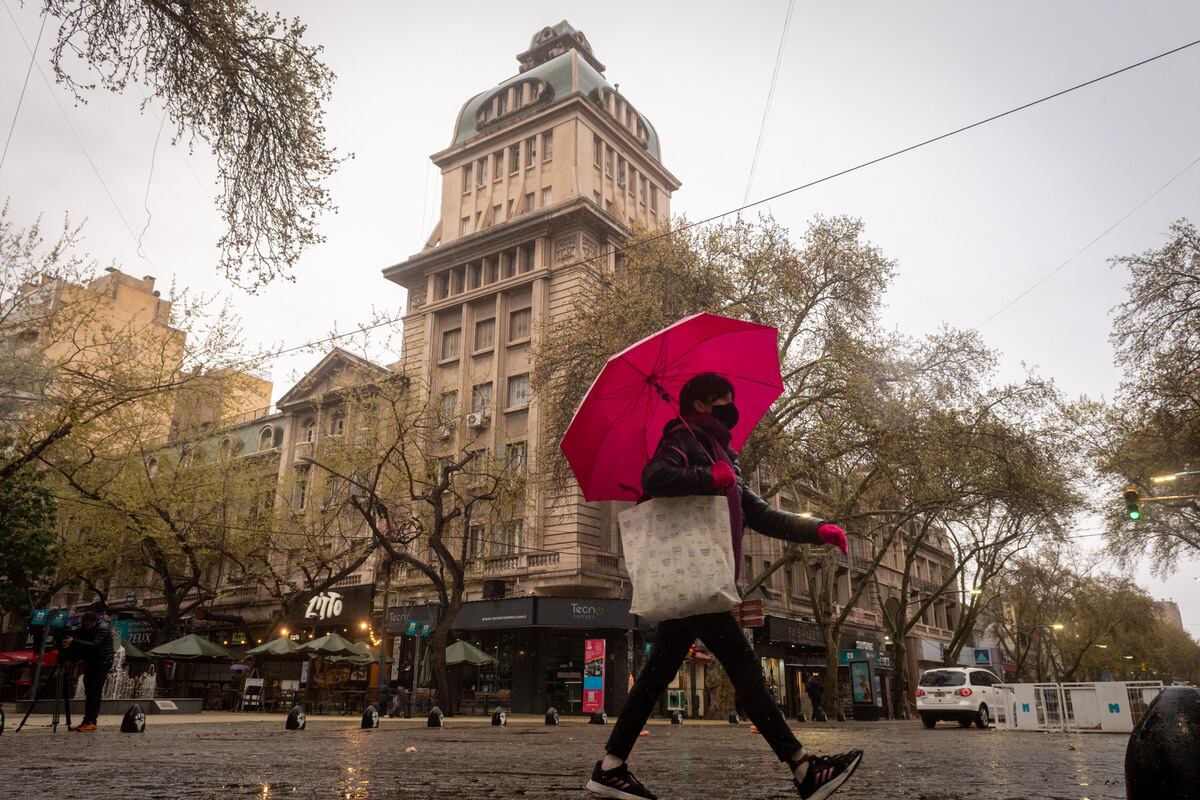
478	419
445	431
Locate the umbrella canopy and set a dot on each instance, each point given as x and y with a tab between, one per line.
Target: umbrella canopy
192	648
618	424
466	653
14	658
281	649
330	645
131	650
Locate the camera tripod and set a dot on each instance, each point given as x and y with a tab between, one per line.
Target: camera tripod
58	676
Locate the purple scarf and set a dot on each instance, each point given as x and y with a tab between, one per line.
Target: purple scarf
714	438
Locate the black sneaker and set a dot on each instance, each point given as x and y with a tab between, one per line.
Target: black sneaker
826	774
618	783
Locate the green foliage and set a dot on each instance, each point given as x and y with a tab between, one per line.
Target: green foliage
28	551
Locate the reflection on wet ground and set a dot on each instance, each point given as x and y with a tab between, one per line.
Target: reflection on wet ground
409	761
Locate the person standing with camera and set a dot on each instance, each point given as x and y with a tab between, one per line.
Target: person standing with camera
92	647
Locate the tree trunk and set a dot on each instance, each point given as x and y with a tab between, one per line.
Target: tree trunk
900	689
833	699
441	634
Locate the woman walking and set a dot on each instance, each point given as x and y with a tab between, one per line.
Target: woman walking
694	458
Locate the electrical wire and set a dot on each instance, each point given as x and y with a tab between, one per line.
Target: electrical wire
78	139
831	176
1088	246
762	126
24	85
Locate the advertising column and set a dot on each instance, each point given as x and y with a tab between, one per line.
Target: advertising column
593	675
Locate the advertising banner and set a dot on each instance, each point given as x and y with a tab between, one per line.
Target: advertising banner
593	675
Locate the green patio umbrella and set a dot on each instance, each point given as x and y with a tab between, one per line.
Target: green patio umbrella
281	649
192	648
330	645
466	653
131	651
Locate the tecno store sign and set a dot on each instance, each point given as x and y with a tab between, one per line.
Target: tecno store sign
589	613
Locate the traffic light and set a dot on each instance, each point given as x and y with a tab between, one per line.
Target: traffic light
1131	502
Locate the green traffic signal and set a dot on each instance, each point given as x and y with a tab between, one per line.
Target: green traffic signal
1132	495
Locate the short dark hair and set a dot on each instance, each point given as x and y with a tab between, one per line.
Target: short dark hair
705	387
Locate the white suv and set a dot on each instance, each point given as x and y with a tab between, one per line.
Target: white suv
962	694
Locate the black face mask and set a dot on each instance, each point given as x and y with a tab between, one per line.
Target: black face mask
727	415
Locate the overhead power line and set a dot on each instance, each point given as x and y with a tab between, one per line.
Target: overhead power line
24	85
762	126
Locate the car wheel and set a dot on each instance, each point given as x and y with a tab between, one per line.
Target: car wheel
983	719
964	723
929	720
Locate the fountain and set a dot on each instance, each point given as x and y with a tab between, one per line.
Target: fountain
120	685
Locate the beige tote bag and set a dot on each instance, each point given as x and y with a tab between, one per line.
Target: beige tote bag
679	554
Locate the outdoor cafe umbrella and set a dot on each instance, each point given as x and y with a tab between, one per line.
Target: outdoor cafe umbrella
466	653
621	419
330	645
192	648
131	650
281	649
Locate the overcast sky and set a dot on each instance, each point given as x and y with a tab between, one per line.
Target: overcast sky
972	221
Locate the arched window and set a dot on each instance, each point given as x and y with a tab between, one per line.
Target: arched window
225	449
266	439
510	99
308	430
337	425
152	466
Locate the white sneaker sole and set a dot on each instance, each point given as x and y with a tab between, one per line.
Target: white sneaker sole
836	783
601	790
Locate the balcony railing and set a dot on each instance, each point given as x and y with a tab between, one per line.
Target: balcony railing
516	564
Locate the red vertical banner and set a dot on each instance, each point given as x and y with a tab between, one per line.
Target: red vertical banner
593	675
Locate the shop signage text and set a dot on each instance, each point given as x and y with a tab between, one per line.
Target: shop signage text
593	675
323	606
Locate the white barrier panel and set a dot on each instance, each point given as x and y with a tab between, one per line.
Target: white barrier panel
1107	706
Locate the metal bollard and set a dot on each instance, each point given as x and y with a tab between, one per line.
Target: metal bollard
734	719
676	718
134	720
436	718
552	716
499	717
370	718
295	719
1162	759
598	718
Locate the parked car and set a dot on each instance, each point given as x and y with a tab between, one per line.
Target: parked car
961	694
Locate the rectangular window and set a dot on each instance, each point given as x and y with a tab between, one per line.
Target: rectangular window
476	537
547	145
485	334
451	343
481	398
597	150
528	203
608	160
643	183
525	257
530	151
497	165
511	538
465	227
608	206
654	199
518	391
620	170
633	179
489	271
474	275
509	261
517	454
514	158
596	198
481	172
547	194
448	406
497	213
457	280
441	285
466	179
301	495
519	323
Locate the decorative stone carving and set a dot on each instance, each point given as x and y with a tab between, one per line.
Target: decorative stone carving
590	248
416	297
564	249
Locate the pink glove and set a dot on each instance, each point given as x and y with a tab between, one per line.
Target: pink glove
834	536
723	476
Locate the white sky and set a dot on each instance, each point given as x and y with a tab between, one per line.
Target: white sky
973	221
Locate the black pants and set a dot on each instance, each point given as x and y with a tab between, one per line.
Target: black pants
724	637
93	690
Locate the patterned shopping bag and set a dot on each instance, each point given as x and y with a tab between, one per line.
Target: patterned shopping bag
679	553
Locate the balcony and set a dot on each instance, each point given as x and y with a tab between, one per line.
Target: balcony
528	565
301	452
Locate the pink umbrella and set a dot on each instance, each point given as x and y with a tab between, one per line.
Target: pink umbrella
621	419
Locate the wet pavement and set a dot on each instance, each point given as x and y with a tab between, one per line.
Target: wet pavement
334	758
